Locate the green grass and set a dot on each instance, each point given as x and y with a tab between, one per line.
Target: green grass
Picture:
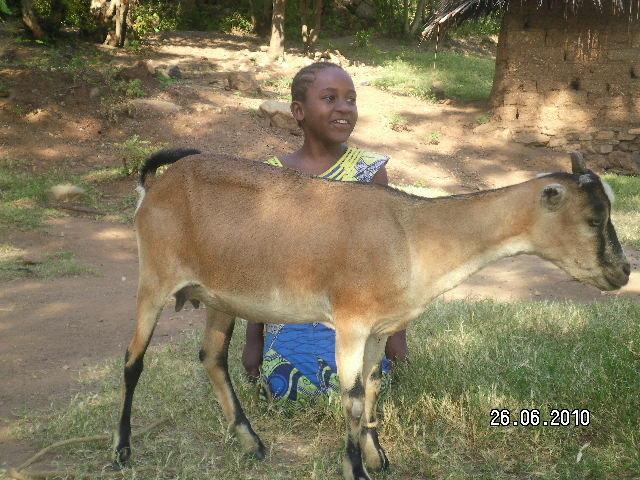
60	264
411	70
466	359
626	209
23	194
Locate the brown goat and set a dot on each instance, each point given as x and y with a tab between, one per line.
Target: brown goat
272	245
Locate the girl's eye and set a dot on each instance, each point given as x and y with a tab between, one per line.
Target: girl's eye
351	100
329	98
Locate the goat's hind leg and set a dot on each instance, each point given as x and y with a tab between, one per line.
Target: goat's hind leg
149	307
213	355
374	455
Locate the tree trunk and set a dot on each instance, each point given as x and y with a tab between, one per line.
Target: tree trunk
303	9
122	9
116	11
500	78
276	45
265	21
405	16
31	21
317	21
418	19
310	23
254	15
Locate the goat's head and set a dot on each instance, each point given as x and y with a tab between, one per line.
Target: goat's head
574	228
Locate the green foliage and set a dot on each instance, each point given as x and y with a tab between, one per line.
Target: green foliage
236	23
466	359
153	16
135	151
4	8
362	39
487	25
130	88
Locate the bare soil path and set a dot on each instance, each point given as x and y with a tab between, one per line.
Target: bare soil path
50	330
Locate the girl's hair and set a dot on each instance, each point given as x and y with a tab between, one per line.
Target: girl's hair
306	77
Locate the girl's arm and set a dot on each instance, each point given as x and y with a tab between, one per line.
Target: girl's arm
252	352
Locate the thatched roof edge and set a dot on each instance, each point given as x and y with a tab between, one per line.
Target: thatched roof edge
454	12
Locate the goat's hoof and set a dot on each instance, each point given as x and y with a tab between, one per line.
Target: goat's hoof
374	455
250	441
260	452
122	457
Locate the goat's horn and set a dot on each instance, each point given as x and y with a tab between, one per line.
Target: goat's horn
578	166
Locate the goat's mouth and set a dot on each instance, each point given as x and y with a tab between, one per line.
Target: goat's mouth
611	281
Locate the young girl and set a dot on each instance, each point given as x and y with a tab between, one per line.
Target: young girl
298	360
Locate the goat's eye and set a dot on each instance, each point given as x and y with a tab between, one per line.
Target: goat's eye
595	223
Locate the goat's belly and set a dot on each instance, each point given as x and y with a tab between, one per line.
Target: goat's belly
272	307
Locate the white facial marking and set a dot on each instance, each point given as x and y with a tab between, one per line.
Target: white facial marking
609	191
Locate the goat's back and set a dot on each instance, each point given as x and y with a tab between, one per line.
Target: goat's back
247	226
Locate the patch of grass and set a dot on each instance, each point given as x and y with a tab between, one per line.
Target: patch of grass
412	71
397	122
434	138
102	175
130	88
135	151
467	358
362	39
626	209
280	85
60	264
484	118
165	80
23	195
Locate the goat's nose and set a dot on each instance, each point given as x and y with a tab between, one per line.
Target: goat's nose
626	268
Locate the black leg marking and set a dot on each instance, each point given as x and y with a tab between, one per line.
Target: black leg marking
202	355
355	459
131	376
357	391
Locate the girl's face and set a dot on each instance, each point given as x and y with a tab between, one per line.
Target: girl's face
329	112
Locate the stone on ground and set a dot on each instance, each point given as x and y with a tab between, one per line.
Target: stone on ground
279	114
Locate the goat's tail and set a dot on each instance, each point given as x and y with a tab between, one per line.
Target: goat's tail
155	161
163	157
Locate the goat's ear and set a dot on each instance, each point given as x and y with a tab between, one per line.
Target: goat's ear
578	165
553	196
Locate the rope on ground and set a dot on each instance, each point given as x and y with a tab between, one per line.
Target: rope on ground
20	473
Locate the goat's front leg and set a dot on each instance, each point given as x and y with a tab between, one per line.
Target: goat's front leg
374	455
213	355
350	347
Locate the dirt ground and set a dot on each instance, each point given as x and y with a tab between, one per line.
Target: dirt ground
51	329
